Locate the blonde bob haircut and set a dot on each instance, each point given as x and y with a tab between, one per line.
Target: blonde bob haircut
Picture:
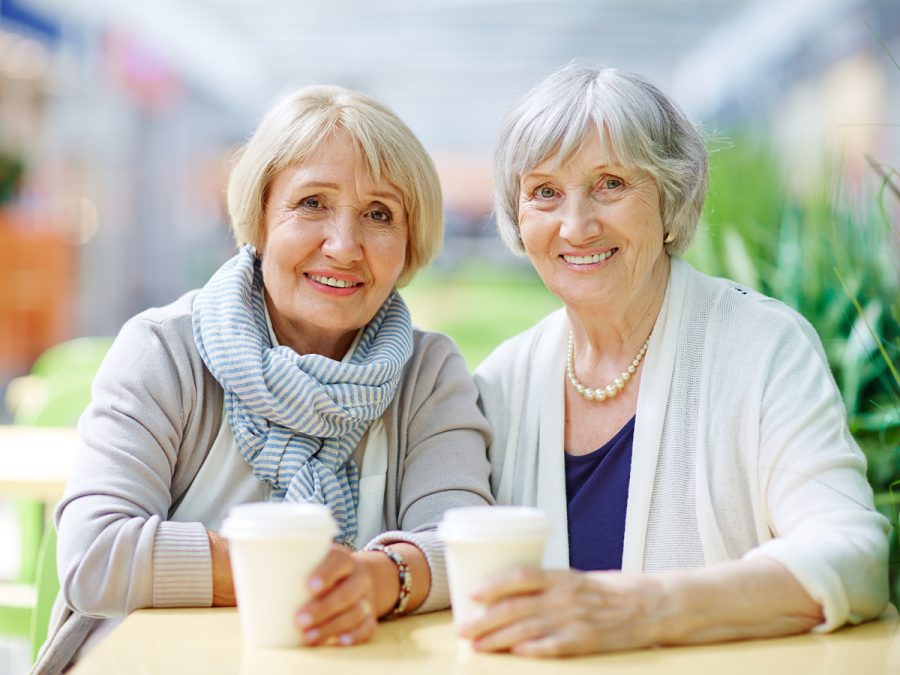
643	128
301	123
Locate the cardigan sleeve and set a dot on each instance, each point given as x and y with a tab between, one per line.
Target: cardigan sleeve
813	480
444	461
117	552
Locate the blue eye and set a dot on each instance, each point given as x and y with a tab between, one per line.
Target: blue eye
311	202
381	215
612	183
545	192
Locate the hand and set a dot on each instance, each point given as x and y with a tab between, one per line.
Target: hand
535	612
342	608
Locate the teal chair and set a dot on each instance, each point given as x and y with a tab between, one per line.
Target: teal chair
78	355
57	401
58	394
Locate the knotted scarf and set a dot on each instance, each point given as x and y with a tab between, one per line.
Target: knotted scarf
297	418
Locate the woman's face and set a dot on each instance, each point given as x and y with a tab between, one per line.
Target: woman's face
335	244
593	229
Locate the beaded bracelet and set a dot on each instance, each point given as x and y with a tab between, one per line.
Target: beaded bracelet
405	579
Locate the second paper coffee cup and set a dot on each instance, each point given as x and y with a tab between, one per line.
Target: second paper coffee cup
482	541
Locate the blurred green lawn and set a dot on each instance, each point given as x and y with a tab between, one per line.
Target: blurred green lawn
478	306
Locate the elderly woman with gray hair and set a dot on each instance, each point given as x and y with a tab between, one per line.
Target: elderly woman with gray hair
683	433
294	374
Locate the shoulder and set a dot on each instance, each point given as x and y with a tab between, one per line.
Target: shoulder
436	387
170	326
156	345
435	357
735	312
176	317
433	344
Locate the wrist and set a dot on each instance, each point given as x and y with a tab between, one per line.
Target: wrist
692	603
222	580
672	612
404	579
385	580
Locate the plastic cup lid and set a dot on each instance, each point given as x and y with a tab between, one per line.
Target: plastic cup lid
267	519
493	522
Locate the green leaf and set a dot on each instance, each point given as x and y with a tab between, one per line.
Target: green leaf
740	266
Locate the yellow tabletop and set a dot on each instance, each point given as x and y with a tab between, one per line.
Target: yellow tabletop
36	461
197	641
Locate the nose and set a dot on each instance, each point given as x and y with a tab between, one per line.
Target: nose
580	219
342	237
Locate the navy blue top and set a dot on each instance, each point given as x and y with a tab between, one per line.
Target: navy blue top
597	493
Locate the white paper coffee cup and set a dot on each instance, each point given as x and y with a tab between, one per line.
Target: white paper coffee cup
482	541
274	547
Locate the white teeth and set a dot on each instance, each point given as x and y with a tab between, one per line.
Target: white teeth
331	281
587	259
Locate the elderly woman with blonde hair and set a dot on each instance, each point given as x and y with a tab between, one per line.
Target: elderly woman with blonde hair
683	433
294	374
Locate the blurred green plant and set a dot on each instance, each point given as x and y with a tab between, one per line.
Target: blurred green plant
479	305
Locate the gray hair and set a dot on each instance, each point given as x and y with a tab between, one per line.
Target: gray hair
644	128
301	123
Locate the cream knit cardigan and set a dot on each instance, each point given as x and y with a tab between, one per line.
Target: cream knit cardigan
741	446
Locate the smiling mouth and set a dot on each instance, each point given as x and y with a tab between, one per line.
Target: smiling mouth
332	282
589	259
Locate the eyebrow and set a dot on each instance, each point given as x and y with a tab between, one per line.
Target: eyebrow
599	167
379	194
389	196
314	184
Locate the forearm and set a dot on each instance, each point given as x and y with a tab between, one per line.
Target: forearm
386	578
113	566
743	599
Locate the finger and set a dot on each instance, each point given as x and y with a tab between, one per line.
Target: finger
338	599
542	648
518	581
335	566
505	613
509	636
556	644
349	627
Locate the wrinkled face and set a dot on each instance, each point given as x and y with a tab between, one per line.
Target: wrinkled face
593	229
335	244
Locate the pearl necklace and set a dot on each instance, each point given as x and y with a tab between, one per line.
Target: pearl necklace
610	390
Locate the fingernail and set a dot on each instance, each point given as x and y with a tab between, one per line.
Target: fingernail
346	640
311	635
304	619
316	583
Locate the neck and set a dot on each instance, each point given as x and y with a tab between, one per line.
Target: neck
619	330
306	340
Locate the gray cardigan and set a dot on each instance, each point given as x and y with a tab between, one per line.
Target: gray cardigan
154	415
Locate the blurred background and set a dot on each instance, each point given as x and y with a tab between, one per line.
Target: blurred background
117	122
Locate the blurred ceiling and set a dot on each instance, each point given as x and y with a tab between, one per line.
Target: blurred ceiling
452	67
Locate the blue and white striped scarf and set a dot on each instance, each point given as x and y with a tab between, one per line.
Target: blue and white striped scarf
297	419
